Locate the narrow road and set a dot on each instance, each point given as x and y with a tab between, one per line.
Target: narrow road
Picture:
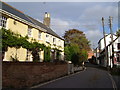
90	78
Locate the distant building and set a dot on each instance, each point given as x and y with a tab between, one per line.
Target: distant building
97	55
19	22
90	54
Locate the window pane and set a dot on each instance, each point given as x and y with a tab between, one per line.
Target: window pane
39	35
3	21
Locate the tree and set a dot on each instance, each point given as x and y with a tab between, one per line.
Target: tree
76	46
72	53
118	33
78	37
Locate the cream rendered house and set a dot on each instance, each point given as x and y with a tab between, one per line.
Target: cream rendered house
23	24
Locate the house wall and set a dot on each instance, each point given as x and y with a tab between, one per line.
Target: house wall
22	29
109	50
18	28
108	40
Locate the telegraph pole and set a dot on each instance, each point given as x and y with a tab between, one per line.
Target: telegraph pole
110	24
106	53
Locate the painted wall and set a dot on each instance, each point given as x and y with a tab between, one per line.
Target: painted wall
108	40
21	28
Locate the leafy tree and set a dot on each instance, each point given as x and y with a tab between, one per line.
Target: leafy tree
76	46
72	53
118	33
78	37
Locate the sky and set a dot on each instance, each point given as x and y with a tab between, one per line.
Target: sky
84	16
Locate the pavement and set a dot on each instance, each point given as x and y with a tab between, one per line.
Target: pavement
92	77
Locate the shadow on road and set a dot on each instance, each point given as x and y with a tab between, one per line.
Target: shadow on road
95	66
115	76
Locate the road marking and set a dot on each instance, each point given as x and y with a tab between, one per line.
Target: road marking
113	82
56	79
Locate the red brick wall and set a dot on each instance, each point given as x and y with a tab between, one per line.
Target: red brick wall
26	74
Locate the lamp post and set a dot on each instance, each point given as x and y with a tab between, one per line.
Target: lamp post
106	53
110	25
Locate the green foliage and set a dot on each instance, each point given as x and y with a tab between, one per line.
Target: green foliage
118	33
76	46
10	39
47	57
77	37
72	53
58	54
83	55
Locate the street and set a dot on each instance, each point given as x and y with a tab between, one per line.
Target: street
93	77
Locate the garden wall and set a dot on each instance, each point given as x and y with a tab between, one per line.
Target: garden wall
27	74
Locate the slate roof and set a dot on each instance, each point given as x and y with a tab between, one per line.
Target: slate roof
49	30
20	14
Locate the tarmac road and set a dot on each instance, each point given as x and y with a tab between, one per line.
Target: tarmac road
90	78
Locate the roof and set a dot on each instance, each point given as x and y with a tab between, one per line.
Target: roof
49	30
114	41
105	36
20	14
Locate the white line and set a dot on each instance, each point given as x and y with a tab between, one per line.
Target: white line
113	82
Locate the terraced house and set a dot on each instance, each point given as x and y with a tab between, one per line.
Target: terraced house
20	23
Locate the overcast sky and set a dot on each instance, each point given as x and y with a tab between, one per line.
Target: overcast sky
84	16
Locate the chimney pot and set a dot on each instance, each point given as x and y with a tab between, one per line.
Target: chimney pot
47	19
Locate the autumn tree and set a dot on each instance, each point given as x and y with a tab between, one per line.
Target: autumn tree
77	37
76	46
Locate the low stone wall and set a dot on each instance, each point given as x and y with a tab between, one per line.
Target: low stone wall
27	74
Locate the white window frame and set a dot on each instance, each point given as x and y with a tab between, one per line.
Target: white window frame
29	32
54	40
3	21
59	42
47	38
39	35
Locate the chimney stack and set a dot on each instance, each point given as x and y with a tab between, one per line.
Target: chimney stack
47	19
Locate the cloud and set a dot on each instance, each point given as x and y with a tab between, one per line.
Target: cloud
94	36
60	26
98	11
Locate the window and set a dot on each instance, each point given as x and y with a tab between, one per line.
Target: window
29	32
118	45
28	57
3	21
59	42
39	35
53	40
15	22
118	57
47	36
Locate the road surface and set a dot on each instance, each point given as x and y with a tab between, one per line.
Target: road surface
91	78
